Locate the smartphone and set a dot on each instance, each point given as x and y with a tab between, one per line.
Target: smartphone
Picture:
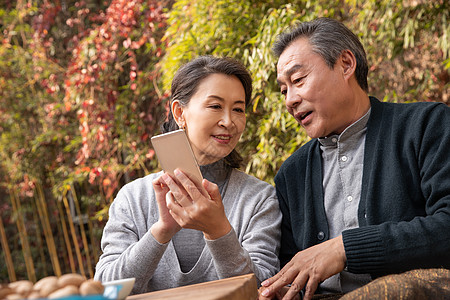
174	151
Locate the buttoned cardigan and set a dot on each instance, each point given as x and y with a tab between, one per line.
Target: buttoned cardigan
404	210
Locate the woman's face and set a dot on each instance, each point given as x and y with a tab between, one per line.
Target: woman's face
214	117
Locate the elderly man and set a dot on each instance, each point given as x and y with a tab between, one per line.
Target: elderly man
369	195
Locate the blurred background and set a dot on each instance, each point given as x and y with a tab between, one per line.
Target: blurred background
84	85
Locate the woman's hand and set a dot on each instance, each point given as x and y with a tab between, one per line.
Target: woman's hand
166	227
197	207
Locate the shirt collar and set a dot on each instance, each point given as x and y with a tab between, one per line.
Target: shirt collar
355	127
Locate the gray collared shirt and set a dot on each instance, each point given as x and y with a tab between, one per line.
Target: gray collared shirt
343	157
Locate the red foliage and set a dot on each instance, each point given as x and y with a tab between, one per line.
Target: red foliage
104	75
112	56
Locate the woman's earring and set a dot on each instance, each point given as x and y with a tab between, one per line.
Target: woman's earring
182	124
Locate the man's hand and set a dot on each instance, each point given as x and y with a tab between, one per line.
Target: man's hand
278	295
308	268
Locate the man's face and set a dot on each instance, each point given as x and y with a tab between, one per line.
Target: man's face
319	98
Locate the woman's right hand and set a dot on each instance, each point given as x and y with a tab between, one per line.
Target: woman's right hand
166	227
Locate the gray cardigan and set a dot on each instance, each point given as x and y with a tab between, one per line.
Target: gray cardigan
130	250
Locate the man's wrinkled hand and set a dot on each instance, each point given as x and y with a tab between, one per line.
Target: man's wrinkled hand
278	295
307	269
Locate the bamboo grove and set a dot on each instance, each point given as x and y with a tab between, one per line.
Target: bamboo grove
85	84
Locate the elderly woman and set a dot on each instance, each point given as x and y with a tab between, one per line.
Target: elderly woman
167	234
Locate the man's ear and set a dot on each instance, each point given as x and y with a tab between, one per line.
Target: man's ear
348	62
177	112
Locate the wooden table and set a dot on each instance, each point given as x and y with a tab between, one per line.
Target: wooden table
235	288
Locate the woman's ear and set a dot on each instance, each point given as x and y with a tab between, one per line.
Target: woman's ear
348	62
177	112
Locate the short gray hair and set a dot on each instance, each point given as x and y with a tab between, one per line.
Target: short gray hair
328	38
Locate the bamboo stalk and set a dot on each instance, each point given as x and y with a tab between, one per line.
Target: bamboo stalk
48	231
8	258
23	237
83	232
93	240
66	237
74	237
60	243
42	222
39	238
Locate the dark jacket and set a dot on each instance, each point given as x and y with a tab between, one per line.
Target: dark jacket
404	210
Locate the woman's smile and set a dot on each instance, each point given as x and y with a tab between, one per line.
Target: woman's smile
224	139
